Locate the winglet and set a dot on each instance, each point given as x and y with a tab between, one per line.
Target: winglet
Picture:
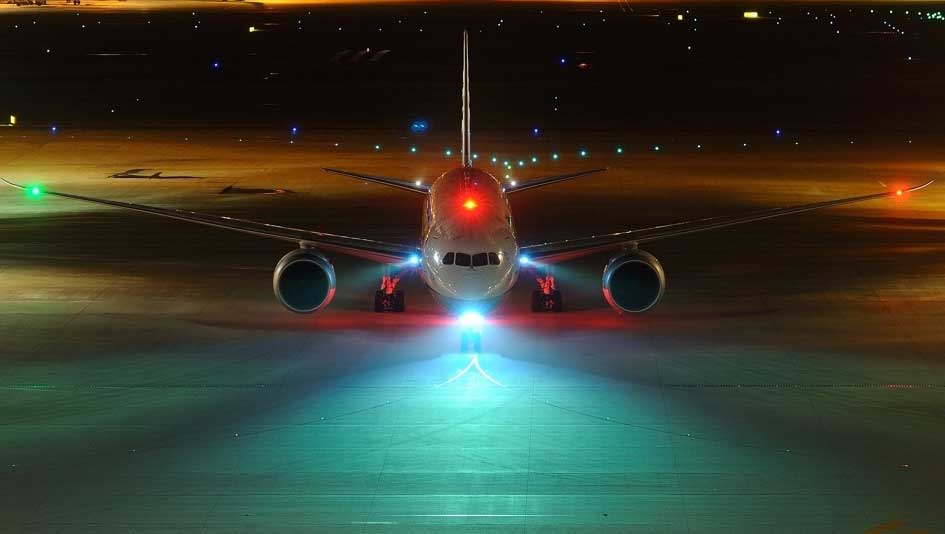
466	149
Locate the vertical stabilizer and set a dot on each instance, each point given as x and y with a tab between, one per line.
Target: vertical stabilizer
467	149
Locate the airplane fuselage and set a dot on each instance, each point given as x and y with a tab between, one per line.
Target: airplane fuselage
469	251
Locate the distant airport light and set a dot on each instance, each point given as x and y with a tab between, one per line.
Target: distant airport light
620	150
418	183
750	14
554	156
12	120
656	148
514	183
470	204
295	130
377	147
562	61
521	163
419	126
475	156
777	132
53	129
583	153
534	159
252	29
535	131
448	152
494	159
679	17
215	65
413	150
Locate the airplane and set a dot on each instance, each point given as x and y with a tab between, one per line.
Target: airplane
468	254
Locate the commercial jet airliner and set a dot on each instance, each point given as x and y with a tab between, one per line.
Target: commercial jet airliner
468	254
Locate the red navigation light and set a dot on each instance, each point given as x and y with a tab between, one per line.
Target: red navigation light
899	192
470	204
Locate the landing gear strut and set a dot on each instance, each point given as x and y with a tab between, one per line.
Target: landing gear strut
470	341
546	298
388	298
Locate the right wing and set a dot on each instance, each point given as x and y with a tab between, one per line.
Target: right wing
353	246
566	249
392	182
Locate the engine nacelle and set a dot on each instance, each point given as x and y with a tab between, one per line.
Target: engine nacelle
304	281
634	282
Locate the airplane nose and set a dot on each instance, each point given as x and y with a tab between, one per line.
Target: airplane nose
472	285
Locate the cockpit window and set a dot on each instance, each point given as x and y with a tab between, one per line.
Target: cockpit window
462	259
493	258
448	259
480	259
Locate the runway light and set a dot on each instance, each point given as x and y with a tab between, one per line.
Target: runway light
252	29
494	159
417	183
524	260
475	156
535	131
521	163
583	153
620	150
471	320
448	152
470	204
413	150
656	148
562	61
295	130
514	183
554	156
534	159
377	147
750	14
34	191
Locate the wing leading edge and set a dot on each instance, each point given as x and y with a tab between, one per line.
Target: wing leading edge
380	251
566	249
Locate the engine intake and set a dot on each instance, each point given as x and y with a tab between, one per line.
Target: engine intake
633	282
304	281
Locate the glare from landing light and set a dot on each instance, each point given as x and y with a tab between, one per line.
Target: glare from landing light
471	320
34	191
414	259
524	260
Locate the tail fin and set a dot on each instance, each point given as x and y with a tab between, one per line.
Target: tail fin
467	149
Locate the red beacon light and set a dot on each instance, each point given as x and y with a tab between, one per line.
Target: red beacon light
898	192
470	204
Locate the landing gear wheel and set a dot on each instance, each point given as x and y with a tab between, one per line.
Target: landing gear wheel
546	302
470	340
393	302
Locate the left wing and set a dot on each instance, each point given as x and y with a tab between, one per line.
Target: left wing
566	249
538	182
353	246
383	180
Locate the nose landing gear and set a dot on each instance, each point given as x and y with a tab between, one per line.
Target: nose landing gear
546	298
388	298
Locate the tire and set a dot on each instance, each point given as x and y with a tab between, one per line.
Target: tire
537	306
379	301
556	307
399	304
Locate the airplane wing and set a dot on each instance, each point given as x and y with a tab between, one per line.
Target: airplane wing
392	182
538	182
354	246
555	251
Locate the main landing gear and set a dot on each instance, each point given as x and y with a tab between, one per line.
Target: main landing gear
546	298
388	298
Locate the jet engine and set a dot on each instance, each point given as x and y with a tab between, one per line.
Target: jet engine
304	281
633	282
